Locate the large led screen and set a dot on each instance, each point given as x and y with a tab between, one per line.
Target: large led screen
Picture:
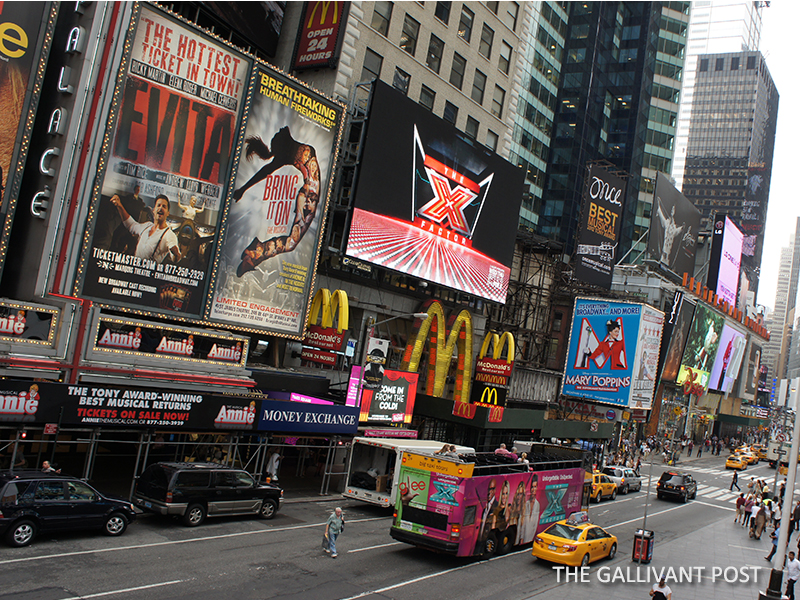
602	351
729	359
679	319
674	226
751	370
701	346
432	205
726	258
157	209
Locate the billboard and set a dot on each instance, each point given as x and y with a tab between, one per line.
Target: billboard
751	370
493	374
729	359
431	205
602	351
674	225
648	347
701	347
269	256
676	330
390	402
319	40
726	259
161	186
27	34
601	223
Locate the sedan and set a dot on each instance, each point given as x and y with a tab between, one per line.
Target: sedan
574	544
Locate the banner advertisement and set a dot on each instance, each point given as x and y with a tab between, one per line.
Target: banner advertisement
269	256
751	370
602	351
701	348
299	417
117	406
392	402
680	318
674	226
319	41
429	204
377	352
157	214
118	335
601	224
27	323
726	259
27	35
725	371
646	364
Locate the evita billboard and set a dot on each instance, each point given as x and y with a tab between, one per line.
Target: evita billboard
613	352
431	205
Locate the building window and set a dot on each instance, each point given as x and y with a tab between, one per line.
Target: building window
703	65
504	64
491	140
450	113
401	80
510	18
465	25
720	64
487	39
435	51
735	63
478	86
457	72
751	63
427	97
408	39
493	6
381	17
472	128
372	66
497	101
442	11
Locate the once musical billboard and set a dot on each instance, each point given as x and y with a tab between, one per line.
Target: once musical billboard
674	226
431	205
599	232
162	184
726	259
269	256
603	350
701	347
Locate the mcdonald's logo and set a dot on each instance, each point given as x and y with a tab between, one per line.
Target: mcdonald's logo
489	396
494	368
324	7
326	335
431	331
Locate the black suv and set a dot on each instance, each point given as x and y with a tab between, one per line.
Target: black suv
32	501
196	490
676	485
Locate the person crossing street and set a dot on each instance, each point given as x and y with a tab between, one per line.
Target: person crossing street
735	481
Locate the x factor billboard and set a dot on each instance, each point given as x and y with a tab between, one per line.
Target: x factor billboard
161	185
432	205
606	354
674	226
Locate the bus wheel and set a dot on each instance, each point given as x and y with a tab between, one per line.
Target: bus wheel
506	540
491	546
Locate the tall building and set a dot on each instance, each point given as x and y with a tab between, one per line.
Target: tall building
776	320
603	84
731	145
715	26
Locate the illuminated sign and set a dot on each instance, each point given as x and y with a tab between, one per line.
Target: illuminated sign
493	374
325	339
319	41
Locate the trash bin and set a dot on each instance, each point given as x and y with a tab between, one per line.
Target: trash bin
643	542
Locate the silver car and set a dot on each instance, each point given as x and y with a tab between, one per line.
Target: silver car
626	478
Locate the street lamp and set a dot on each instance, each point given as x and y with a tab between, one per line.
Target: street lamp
370	328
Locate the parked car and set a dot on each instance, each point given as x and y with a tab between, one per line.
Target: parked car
194	491
602	486
673	484
33	502
574	543
626	478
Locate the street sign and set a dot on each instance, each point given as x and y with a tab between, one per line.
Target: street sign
780	452
781	437
593	426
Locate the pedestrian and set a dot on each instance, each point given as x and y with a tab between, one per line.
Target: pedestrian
699	450
661	590
274	465
740	502
774	536
690	447
748	509
796	515
776	516
735	480
792	573
333	527
760	521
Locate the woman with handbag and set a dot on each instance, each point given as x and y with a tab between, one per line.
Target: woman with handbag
333	527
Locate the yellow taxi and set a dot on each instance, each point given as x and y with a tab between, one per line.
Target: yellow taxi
760	451
736	461
751	457
574	542
602	486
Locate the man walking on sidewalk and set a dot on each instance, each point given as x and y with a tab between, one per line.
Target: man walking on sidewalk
792	573
774	535
735	481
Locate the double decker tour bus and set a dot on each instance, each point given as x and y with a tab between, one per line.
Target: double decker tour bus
487	503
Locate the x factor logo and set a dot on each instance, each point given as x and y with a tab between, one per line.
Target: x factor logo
453	200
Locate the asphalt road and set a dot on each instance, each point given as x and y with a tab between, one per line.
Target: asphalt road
246	558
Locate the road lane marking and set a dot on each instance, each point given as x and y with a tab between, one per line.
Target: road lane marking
746	548
713	494
174	542
126	590
373	547
713	505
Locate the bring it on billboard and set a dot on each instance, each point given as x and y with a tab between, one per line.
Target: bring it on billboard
432	205
613	352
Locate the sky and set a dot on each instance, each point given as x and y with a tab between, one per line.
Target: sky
777	44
